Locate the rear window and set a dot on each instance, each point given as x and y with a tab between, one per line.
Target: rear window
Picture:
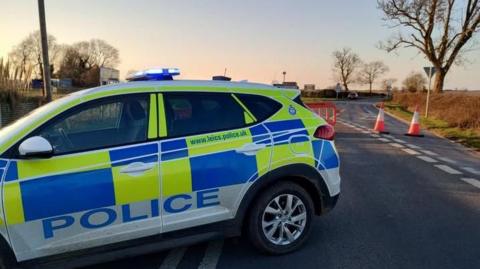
260	106
190	113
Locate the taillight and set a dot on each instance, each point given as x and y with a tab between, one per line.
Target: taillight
325	132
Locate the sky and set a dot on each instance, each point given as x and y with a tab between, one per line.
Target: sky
255	40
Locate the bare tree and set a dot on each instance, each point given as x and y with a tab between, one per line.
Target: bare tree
414	82
97	53
82	61
388	82
35	42
20	57
28	54
370	72
345	62
439	29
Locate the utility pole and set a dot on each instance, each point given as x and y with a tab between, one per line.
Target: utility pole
46	65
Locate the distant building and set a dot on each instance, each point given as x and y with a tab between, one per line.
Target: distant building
287	85
36	84
109	76
63	83
309	87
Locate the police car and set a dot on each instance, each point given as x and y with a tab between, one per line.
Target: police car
156	163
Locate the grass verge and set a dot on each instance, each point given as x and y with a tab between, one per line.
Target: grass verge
467	137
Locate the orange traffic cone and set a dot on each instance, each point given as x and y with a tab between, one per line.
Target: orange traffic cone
380	123
414	129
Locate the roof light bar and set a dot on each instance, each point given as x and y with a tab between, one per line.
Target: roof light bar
154	74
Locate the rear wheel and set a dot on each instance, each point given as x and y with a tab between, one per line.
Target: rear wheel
279	222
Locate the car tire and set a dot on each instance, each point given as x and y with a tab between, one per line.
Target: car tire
275	229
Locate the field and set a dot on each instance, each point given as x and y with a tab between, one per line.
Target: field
454	115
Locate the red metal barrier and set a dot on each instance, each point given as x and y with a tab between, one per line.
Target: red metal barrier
326	110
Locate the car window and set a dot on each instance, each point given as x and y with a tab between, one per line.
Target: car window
299	101
260	106
194	113
97	118
98	124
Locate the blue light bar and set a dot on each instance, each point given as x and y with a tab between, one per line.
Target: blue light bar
154	74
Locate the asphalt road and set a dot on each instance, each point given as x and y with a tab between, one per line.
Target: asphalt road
406	203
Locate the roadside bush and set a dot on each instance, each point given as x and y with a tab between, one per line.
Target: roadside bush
459	109
329	93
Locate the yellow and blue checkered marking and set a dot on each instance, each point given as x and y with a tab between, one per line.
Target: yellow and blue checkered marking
181	172
66	192
174	149
3	163
144	153
3	166
260	134
324	151
12	172
282	131
63	194
221	169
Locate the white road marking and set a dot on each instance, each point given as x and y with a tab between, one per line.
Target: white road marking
410	151
389	136
384	139
370	117
428	152
212	254
471	181
448	169
427	159
173	258
471	170
374	135
399	141
364	132
414	147
396	145
445	159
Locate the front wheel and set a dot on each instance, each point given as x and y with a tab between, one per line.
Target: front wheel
7	259
279	222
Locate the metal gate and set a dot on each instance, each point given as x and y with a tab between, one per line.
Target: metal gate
326	110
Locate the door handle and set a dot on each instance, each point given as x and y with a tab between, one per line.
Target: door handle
137	168
250	149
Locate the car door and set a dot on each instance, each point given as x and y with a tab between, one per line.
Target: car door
213	149
100	186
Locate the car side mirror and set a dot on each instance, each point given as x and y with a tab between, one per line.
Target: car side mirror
35	146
